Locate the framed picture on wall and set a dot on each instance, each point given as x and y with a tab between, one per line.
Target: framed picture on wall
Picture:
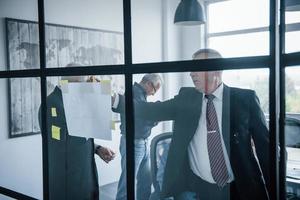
64	45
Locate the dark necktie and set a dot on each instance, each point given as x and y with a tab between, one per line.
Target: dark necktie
214	145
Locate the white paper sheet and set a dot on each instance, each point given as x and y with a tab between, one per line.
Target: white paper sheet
88	109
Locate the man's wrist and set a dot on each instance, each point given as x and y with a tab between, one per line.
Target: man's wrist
116	101
97	148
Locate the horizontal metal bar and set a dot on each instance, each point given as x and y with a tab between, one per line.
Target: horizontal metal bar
203	65
292	27
289	28
164	67
237	32
14	194
291	59
24	73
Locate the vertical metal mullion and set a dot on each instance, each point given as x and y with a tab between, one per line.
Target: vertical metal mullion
128	99
41	18
282	162
273	83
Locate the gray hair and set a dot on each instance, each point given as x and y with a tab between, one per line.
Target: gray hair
209	52
153	78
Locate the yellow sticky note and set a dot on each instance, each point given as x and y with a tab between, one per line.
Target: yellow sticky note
53	112
62	82
113	125
105	81
55	132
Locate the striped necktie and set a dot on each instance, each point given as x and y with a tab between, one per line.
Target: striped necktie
214	145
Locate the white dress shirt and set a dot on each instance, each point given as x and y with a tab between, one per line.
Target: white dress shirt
197	150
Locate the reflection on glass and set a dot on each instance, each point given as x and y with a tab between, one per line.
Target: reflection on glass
81	135
215	110
79	38
23	46
251	44
239	14
19	41
292	130
21	144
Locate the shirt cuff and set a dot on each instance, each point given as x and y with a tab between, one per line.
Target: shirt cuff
116	103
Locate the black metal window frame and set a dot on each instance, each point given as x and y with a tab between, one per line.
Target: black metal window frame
276	62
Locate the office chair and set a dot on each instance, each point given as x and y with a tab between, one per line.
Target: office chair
292	142
158	154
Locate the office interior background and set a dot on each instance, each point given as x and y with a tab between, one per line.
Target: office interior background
257	55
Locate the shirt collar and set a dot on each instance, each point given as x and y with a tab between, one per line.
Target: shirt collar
140	88
218	93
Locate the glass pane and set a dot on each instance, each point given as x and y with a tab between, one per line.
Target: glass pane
292	20
252	44
237	15
5	197
292	131
155	37
292	17
79	120
292	41
233	115
95	38
19	39
20	140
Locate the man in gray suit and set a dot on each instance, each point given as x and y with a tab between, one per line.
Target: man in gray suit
211	154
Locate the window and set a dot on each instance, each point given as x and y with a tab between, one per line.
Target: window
245	35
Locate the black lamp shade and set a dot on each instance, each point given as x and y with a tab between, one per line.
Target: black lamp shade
292	5
189	12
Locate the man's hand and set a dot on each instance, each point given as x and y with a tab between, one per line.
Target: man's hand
93	79
105	154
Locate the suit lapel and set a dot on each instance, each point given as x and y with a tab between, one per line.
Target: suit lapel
226	117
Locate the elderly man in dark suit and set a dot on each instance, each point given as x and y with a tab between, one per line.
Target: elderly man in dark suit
220	144
72	168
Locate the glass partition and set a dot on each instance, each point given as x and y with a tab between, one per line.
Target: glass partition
21	167
84	39
230	27
188	117
292	21
292	131
18	39
83	136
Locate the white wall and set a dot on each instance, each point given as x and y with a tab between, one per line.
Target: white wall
21	158
146	20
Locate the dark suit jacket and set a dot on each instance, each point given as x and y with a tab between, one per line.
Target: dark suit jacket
242	120
72	168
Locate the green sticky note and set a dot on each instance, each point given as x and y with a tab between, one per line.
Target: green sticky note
62	82
55	132
53	112
105	87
